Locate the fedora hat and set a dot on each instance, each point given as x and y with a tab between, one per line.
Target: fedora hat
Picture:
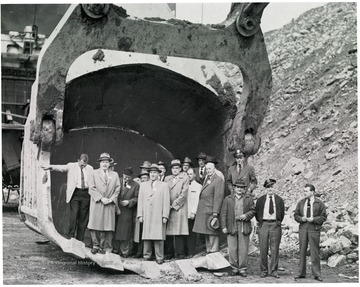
145	165
113	163
210	158
238	153
175	162
239	182
269	182
143	173
128	171
105	156
187	160
162	163
213	223
201	155
154	167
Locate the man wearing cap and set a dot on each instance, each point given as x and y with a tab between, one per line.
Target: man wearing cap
153	211
310	213
200	172
270	211
192	201
186	164
177	226
77	193
236	213
241	170
104	188
210	201
162	168
127	202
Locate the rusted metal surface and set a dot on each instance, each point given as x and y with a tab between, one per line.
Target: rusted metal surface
114	107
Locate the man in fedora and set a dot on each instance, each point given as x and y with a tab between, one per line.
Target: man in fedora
127	202
177	226
112	165
241	170
236	213
200	172
270	211
77	193
186	164
162	168
210	201
153	211
310	213
104	188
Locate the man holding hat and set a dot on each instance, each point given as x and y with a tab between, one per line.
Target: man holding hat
104	188
241	170
310	212
236	213
210	201
128	198
177	226
270	211
153	211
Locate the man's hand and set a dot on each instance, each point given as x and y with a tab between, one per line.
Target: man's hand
141	219
46	167
106	201
192	215
118	212
241	217
225	230
303	219
310	219
215	214
165	220
125	203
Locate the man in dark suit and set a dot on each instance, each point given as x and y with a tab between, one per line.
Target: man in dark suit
241	170
236	213
310	212
210	201
127	202
200	172
162	168
270	211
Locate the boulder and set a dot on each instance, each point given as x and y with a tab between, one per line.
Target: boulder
354	256
345	243
351	232
336	260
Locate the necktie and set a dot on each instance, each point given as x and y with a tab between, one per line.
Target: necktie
271	206
152	185
106	178
82	178
308	211
201	173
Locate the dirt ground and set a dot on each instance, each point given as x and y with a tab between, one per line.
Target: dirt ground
28	258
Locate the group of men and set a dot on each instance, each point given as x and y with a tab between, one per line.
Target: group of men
170	212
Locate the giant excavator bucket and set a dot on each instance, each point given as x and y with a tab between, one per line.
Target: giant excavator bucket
139	90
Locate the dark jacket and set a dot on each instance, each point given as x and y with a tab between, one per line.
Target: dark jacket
228	214
280	209
247	173
319	213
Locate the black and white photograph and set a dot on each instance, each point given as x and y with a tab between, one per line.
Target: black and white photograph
179	143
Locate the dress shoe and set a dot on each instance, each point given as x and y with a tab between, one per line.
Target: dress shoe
101	251
115	251
275	275
242	274
124	255
234	273
147	259
263	275
318	278
94	250
299	277
159	261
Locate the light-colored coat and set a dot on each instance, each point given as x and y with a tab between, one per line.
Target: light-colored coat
178	220
153	206
210	201
73	174
193	197
102	217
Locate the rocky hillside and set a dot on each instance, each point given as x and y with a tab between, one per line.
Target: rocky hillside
310	132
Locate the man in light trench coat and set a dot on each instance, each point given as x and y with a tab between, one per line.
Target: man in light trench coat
153	211
104	188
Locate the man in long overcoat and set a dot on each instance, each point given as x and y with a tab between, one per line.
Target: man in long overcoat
210	201
104	188
177	226
153	211
127	202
